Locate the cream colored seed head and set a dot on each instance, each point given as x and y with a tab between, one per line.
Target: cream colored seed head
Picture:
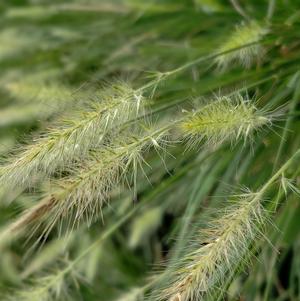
224	119
245	40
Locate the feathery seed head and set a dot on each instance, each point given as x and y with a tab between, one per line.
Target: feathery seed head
245	34
73	139
83	192
226	118
223	243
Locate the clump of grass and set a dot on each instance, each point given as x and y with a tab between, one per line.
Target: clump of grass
245	40
80	164
227	118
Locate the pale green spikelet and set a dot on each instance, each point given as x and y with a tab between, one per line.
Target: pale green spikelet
288	185
245	34
82	194
13	115
215	252
12	41
227	118
74	138
47	98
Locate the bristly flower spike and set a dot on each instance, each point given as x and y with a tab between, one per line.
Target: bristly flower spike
82	194
227	118
245	40
215	252
73	139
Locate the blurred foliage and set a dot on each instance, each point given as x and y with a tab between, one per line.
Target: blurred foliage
55	54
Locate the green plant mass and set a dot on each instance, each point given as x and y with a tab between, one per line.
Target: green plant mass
150	150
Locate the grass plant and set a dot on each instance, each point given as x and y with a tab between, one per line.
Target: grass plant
149	150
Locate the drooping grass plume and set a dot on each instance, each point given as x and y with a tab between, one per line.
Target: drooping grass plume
55	283
42	91
74	138
12	116
227	118
12	41
46	257
88	186
82	194
215	252
250	33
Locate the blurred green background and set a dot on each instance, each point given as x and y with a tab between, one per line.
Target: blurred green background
55	54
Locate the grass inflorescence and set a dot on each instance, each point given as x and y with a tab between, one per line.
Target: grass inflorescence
215	252
226	118
88	184
74	138
250	33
